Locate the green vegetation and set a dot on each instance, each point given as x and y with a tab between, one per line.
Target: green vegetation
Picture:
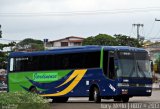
117	40
24	45
157	64
123	40
3	58
157	61
11	44
23	100
29	45
100	39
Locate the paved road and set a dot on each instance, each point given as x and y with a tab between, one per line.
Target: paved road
134	103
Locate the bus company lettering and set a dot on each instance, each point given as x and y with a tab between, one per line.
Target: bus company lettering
45	76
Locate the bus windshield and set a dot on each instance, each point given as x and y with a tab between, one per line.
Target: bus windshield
134	64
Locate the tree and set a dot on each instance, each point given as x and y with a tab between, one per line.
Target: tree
11	44
123	40
100	39
3	59
29	45
4	55
117	40
157	61
147	42
89	41
1	46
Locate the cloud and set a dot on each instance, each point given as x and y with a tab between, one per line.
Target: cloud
54	27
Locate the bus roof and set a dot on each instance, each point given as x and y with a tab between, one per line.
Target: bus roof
76	50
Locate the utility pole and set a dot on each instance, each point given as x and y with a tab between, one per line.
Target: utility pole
138	27
157	19
45	43
0	32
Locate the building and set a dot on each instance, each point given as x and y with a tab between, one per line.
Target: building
154	50
65	42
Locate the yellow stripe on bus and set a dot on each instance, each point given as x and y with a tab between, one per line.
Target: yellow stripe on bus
78	75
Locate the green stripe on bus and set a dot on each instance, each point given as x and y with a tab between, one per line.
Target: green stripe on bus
17	79
101	60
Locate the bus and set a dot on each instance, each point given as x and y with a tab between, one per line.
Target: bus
96	72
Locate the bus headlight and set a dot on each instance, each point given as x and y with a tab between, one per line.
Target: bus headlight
149	91
123	84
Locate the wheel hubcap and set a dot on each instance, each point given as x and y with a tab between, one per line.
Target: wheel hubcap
95	95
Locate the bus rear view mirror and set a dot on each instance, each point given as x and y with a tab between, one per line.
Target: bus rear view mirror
151	63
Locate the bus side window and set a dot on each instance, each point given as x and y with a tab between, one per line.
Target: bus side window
105	63
111	73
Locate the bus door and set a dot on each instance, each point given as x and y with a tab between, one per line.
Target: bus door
109	69
111	65
112	71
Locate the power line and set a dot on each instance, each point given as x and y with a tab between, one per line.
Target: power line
151	30
0	31
72	13
157	19
152	38
143	32
158	33
131	31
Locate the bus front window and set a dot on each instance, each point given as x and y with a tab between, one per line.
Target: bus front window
134	65
127	68
126	65
143	65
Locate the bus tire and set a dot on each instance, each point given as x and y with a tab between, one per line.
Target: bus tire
96	95
60	99
33	89
125	99
117	99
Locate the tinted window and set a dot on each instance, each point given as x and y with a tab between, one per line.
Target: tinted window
57	62
105	62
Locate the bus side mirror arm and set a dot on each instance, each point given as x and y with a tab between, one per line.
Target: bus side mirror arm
151	65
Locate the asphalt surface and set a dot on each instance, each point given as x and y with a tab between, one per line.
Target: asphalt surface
152	102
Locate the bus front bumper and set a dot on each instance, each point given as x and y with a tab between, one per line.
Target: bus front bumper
134	91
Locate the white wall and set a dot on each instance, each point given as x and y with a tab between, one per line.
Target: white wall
58	43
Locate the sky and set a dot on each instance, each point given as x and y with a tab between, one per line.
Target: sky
55	19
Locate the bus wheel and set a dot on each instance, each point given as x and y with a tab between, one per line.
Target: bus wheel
33	89
60	99
96	95
117	99
125	99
